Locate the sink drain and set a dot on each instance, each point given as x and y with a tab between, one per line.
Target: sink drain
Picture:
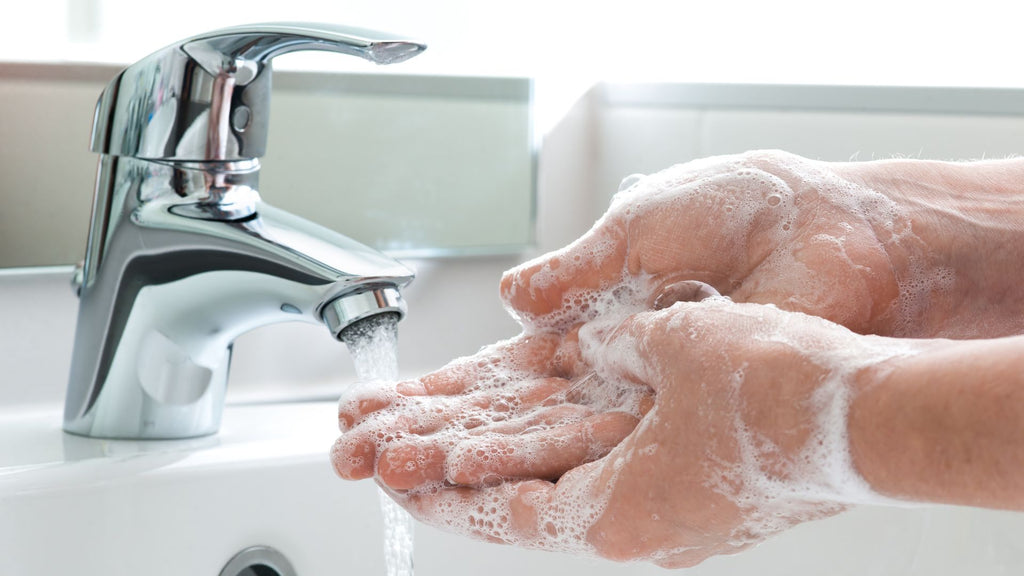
258	561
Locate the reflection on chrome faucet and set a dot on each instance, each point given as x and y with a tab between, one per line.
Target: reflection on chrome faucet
183	256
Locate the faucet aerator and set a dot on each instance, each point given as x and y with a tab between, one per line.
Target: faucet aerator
343	313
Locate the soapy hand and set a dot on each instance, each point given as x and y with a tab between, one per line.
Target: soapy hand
746	437
766	227
625	425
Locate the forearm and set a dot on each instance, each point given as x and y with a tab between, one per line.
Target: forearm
959	240
945	425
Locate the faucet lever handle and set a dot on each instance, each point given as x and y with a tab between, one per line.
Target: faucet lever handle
244	50
207	98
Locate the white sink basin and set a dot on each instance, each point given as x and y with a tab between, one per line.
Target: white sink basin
71	505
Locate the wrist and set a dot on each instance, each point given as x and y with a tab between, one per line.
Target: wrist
943	425
871	423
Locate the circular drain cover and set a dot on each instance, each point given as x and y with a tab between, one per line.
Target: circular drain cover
258	561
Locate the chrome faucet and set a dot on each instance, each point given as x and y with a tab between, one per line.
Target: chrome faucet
183	256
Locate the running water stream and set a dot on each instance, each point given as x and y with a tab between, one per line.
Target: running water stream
373	343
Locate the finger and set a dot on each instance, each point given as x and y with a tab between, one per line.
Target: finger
567	361
355	452
493	367
384	411
354	457
548	284
506	513
522	397
359	400
416	415
532	514
545	454
545	417
428	415
415	460
413	463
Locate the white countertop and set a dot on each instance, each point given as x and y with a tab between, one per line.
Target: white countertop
40	455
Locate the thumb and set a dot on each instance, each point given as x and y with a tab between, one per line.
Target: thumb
645	347
620	348
553	289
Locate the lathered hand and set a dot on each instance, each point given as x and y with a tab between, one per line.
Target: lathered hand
901	247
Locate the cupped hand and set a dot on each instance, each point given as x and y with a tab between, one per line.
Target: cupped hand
765	227
525	408
746	437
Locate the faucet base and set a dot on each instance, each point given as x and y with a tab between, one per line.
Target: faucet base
170	398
